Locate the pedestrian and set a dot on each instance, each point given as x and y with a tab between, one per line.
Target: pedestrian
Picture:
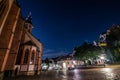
104	64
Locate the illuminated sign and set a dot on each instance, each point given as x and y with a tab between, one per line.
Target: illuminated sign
103	44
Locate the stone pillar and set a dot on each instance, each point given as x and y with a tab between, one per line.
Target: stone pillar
39	62
29	59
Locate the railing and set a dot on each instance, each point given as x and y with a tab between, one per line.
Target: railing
27	67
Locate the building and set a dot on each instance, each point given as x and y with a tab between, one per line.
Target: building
67	62
20	51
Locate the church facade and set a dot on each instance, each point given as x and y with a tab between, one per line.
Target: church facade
20	51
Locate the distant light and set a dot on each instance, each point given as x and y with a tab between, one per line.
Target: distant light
64	65
102	57
107	70
103	44
45	66
74	62
72	66
108	60
30	62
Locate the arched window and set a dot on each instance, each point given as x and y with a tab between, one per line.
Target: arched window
32	57
3	4
4	7
36	59
26	56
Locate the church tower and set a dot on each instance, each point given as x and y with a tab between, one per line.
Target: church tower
28	23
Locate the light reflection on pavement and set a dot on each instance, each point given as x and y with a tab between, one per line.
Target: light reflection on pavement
76	74
110	74
92	74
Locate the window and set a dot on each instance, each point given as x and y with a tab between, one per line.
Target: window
26	56
37	55
32	58
2	6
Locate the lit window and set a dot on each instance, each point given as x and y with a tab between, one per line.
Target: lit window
32	58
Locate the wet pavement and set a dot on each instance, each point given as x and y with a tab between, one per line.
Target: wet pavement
76	74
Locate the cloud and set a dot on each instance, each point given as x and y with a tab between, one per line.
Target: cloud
48	51
54	54
51	53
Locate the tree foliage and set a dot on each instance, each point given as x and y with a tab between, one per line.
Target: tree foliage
116	54
113	36
87	51
113	41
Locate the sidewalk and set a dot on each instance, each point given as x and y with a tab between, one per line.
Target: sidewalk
48	75
113	65
99	66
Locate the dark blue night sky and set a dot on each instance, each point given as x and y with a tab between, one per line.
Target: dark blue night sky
63	24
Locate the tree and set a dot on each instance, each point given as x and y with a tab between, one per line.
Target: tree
87	51
47	63
116	54
113	41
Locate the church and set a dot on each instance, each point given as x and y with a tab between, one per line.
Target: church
20	51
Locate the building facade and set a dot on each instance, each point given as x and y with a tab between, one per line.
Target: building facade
20	51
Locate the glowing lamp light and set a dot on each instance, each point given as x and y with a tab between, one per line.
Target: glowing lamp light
119	49
107	70
102	57
74	62
103	44
64	65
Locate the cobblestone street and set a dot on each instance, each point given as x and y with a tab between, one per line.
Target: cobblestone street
76	74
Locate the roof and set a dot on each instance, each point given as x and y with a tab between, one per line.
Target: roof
65	57
30	43
34	41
